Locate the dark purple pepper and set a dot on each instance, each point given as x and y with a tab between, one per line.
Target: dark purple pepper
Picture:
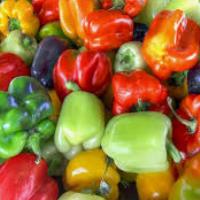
139	31
45	58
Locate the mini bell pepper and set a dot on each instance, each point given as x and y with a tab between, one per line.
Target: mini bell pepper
20	44
21	178
11	66
129	57
186	125
126	137
102	180
107	29
155	186
89	71
47	10
45	58
72	14
178	52
18	15
79	196
24	122
83	131
136	89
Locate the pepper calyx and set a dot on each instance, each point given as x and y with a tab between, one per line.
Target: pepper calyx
71	85
14	24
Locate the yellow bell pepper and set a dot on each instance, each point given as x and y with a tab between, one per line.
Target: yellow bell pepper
91	171
72	13
155	186
18	14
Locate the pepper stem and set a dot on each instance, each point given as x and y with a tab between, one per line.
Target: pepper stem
14	24
26	41
173	152
38	159
70	85
190	124
117	4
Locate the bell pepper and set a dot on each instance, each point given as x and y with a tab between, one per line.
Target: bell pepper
126	137
24	122
11	66
72	14
178	52
21	178
47	10
20	44
102	180
87	70
45	58
129	57
187	186
155	186
136	89
18	15
83	131
79	196
107	29
186	125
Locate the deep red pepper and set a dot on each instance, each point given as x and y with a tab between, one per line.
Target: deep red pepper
11	66
134	89
89	71
22	178
47	10
186	134
107	29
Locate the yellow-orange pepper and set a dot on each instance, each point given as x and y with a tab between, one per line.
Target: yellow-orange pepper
18	14
90	170
155	186
72	13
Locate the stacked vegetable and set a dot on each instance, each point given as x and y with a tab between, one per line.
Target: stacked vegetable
98	97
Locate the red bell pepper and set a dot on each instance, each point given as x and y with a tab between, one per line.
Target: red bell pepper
171	44
47	10
22	178
89	71
11	66
186	125
136	89
107	29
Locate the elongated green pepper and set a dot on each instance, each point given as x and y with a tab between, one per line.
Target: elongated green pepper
81	123
24	112
20	44
143	137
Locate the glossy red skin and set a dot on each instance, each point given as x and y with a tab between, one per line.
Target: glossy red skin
188	144
161	107
179	37
21	178
107	29
106	4
128	89
91	71
11	66
47	10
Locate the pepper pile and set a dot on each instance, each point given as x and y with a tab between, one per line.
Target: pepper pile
99	99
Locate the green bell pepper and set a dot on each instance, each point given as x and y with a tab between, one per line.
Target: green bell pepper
81	123
129	57
79	196
24	122
20	44
143	137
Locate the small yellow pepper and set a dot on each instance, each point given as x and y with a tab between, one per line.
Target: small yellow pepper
18	14
91	171
155	186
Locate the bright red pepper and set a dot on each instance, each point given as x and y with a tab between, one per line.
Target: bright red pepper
21	178
89	71
107	30
171	44
136	88
47	10
186	134
11	66
106	4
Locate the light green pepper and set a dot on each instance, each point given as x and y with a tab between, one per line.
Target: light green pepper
81	124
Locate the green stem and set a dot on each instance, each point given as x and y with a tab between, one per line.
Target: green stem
38	159
173	152
14	24
190	124
118	4
70	85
